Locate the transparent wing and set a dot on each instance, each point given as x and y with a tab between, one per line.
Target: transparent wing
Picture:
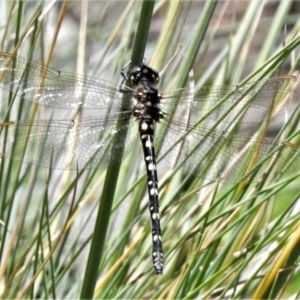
39	84
97	141
250	103
58	144
90	144
213	154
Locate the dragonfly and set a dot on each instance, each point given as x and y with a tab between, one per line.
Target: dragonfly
192	127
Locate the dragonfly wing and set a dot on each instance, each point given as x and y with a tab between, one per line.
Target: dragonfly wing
212	154
45	86
60	144
249	103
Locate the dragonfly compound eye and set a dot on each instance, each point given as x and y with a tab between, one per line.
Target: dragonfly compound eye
135	75
144	73
150	75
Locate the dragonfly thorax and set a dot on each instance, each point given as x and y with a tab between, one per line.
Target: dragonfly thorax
147	103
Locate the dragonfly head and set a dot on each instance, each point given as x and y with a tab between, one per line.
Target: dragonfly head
144	73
